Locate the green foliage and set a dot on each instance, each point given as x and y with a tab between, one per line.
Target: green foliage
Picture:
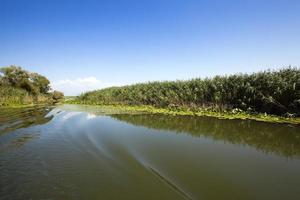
9	94
40	82
272	92
57	96
18	86
18	78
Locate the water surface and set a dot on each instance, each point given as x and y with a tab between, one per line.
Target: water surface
85	152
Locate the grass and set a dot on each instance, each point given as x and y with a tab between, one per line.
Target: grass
26	105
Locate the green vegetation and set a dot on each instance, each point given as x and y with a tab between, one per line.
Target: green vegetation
57	96
266	96
69	98
20	87
185	111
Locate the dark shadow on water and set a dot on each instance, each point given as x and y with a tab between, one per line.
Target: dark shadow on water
280	139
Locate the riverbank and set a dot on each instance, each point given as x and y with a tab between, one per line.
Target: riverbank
30	105
29	102
233	114
17	97
241	96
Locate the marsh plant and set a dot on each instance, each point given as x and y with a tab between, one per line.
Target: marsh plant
270	92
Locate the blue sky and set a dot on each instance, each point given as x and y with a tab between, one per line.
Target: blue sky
84	45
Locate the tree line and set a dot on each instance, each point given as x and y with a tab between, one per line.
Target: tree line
273	92
18	85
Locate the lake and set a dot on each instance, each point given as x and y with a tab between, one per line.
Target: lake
86	152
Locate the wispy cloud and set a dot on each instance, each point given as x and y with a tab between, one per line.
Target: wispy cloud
77	86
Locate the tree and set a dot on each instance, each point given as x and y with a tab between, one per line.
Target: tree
57	96
33	83
17	77
40	82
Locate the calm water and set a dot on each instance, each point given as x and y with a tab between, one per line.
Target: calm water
79	152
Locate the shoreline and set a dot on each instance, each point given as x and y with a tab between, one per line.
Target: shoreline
186	112
29	105
182	111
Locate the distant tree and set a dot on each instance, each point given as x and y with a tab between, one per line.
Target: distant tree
33	83
16	83
17	77
57	96
40	82
13	74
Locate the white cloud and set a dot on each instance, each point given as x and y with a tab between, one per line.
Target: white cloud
77	86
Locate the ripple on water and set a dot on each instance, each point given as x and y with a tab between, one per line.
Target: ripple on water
74	152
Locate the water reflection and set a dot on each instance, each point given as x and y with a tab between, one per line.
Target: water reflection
81	152
13	119
267	137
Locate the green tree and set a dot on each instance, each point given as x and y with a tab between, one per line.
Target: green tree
17	77
57	96
40	82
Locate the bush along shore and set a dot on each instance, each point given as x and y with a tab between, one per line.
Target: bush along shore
272	96
21	88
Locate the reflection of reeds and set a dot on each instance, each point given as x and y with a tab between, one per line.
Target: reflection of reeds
274	138
15	118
